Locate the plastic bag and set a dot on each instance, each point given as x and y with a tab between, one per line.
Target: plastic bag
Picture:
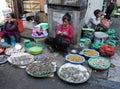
96	45
107	50
105	23
111	31
20	25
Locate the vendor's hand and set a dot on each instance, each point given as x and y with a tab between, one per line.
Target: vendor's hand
64	34
102	17
59	32
9	20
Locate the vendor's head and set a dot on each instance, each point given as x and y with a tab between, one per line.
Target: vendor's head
66	19
10	16
97	13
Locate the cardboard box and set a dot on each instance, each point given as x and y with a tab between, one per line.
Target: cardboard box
31	6
118	2
42	2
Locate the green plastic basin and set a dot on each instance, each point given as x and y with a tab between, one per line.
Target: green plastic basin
36	50
97	64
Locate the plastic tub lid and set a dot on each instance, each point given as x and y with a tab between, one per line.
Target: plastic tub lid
26	40
89	29
101	35
83	39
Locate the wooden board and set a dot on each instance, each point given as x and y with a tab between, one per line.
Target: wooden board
42	2
118	2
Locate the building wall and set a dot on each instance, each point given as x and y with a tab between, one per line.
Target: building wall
93	5
55	14
3	5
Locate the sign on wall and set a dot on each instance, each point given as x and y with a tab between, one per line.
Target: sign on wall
57	19
70	1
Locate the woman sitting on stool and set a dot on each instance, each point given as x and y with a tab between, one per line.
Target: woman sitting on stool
10	31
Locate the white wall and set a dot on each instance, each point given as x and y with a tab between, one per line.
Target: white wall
93	5
2	6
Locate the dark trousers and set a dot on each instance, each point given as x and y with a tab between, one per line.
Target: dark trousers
54	43
108	14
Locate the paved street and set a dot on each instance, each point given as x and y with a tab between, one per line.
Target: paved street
114	72
15	78
12	77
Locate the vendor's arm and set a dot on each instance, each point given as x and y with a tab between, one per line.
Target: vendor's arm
70	34
96	21
14	26
58	31
3	28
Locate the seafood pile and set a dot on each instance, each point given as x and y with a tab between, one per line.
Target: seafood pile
90	53
41	69
99	63
12	50
21	59
73	73
40	57
74	58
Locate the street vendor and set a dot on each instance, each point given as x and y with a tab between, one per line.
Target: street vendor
11	33
110	8
64	35
95	20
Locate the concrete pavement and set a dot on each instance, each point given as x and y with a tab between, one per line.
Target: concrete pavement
12	77
114	72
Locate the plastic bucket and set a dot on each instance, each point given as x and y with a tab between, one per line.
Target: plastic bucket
100	36
40	41
88	42
85	43
44	26
82	43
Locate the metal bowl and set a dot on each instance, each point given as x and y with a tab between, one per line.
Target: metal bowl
67	72
21	59
92	50
3	59
99	63
12	50
41	69
76	60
